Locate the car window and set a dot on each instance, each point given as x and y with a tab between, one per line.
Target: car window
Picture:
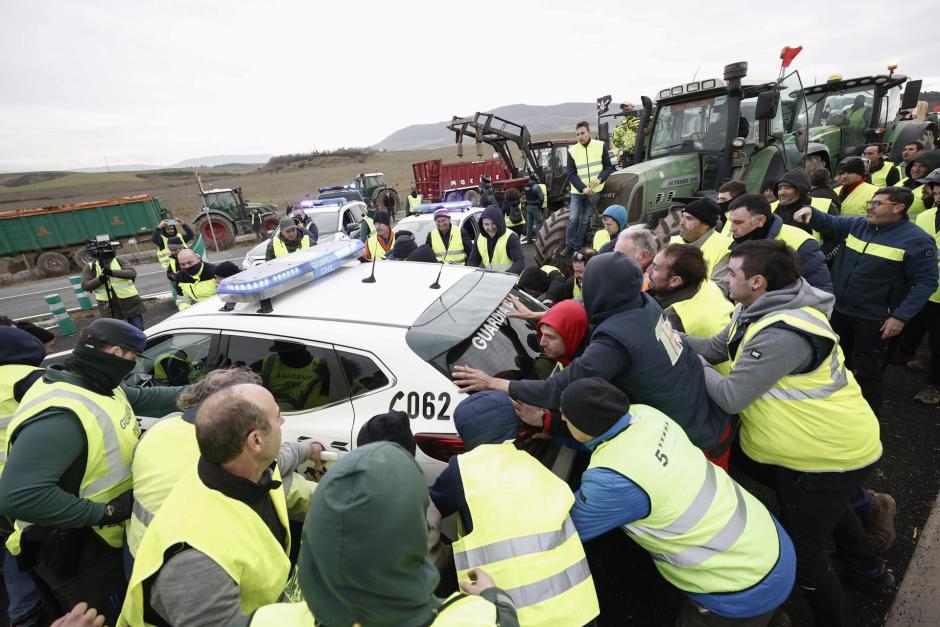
470	226
362	374
326	222
299	376
178	359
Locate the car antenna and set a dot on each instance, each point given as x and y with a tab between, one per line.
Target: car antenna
371	277
437	282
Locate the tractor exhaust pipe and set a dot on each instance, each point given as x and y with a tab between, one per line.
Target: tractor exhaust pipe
733	74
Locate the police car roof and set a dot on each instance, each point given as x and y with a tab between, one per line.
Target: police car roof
399	295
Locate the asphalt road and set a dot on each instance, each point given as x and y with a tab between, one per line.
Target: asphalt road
26	299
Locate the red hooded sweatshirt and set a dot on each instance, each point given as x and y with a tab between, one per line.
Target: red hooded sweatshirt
570	319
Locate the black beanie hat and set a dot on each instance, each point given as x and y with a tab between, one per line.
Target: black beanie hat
393	426
852	165
174	241
534	278
705	210
593	405
382	217
405	244
226	269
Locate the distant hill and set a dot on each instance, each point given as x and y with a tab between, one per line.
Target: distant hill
199	162
538	118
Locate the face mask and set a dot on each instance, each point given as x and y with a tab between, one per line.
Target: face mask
102	371
193	271
724	205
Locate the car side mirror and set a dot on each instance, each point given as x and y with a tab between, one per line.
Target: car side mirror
349	228
766	108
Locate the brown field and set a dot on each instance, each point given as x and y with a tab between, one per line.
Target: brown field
178	188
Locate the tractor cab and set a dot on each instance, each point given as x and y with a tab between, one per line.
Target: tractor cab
229	201
845	115
552	159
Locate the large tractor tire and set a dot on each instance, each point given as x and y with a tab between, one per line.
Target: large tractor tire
668	225
53	264
269	222
219	231
551	240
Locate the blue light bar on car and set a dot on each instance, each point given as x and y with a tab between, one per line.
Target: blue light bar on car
286	273
459	205
332	188
310	203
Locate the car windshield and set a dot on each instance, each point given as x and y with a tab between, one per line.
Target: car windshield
326	222
822	106
469	326
682	125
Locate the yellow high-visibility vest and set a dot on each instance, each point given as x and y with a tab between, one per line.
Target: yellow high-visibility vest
704	532
111	433
927	221
856	203
10	375
601	237
590	163
280	248
501	260
537	558
123	288
812	422
879	178
454	253
706	314
247	551
163	254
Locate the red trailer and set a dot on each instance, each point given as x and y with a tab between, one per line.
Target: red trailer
437	181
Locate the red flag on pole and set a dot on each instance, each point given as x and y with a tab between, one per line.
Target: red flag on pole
788	54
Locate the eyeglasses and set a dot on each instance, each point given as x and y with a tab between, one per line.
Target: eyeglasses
582	256
874	204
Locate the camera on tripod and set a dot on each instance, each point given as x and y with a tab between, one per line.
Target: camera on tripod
102	246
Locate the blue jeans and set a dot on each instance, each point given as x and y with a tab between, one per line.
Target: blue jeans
137	321
533	216
581	209
22	592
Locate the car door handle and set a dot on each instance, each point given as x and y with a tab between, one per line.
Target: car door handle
341	446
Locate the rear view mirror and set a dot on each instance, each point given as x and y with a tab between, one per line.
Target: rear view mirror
603	131
911	95
767	102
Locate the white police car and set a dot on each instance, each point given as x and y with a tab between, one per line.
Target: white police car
336	218
336	347
463	216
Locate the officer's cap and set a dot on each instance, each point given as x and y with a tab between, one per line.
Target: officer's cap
118	333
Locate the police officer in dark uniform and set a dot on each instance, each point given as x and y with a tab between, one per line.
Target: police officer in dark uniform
67	478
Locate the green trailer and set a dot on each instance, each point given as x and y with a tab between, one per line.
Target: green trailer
54	238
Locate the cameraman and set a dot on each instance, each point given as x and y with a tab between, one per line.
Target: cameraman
113	285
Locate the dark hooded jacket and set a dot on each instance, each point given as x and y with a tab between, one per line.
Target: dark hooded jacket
549	286
18	347
930	158
352	570
513	247
800	180
629	347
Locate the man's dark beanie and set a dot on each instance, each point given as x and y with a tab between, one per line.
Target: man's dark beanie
705	210
382	217
593	405
534	278
226	269
852	165
174	241
393	426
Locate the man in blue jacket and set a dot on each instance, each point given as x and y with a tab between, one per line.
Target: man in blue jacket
883	276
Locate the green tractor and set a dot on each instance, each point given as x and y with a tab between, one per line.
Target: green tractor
703	134
375	192
846	115
225	214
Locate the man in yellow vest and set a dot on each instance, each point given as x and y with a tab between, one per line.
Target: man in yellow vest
536	558
497	248
856	121
290	238
169	448
113	285
588	167
412	201
167	229
394	577
579	261
67	477
448	244
698	227
381	241
198	277
186	572
613	220
20	356
692	303
750	218
917	169
854	193
930	314
545	284
806	430
881	172
707	536
174	274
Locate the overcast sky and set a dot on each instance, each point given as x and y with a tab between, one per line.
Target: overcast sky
164	80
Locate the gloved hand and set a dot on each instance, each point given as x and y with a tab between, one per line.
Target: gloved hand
118	509
106	271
